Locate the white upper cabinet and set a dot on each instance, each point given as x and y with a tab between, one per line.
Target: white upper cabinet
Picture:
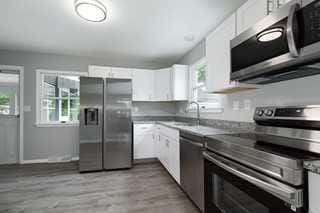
280	3
179	82
254	10
110	72
121	73
143	85
218	59
150	85
162	84
100	71
251	12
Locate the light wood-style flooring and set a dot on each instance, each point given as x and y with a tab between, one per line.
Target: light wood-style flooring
60	188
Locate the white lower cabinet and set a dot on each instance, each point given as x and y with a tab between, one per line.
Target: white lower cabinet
169	150
158	141
144	142
314	189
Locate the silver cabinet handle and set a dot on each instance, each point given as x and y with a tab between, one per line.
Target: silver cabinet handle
294	52
167	143
286	193
270	6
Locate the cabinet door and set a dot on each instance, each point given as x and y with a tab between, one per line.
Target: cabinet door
144	143
165	151
250	13
280	3
175	159
144	146
156	139
162	149
142	85
121	73
180	82
100	71
314	189
218	55
162	84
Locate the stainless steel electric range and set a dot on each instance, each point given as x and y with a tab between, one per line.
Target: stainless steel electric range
262	172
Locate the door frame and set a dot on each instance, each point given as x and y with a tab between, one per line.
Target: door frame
20	69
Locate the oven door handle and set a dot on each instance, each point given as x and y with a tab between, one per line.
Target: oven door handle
286	193
294	52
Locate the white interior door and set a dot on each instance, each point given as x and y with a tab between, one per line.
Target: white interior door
9	116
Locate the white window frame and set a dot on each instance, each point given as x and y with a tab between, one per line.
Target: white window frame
204	106
39	80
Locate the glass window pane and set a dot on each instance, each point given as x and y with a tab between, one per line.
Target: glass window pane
49	86
74	93
64	107
64	93
201	74
9	93
74	109
4	104
48	111
60	95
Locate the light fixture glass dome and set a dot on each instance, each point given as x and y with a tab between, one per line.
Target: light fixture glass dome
91	10
270	35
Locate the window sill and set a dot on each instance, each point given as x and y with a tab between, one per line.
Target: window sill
57	124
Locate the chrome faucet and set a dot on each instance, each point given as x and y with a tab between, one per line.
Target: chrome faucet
198	110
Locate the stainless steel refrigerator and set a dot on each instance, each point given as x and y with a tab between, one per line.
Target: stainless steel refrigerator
105	124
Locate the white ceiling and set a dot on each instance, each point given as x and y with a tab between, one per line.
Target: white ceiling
142	30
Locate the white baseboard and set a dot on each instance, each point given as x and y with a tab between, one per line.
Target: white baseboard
56	160
74	158
34	161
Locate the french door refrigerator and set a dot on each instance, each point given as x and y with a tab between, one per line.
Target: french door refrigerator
105	124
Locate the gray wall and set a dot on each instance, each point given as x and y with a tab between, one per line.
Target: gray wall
198	52
43	143
302	91
154	109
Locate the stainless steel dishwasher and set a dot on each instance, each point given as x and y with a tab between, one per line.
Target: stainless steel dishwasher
192	167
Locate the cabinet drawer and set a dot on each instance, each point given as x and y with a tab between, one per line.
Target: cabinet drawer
141	129
169	132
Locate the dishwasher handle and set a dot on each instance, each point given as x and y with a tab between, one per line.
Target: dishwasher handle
184	140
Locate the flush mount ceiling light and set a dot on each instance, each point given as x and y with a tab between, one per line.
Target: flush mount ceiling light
270	35
90	10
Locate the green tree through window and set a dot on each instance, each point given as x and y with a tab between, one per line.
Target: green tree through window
201	74
4	99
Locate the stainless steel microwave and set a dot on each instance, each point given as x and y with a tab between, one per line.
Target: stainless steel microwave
282	46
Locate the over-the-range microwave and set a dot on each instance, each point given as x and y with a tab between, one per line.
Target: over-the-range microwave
282	46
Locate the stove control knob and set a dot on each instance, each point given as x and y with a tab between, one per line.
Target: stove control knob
260	112
269	112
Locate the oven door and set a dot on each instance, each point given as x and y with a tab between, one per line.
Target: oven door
233	188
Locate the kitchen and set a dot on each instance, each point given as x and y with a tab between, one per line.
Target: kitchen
245	75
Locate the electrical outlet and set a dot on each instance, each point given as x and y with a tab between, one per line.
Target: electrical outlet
247	104
236	105
27	108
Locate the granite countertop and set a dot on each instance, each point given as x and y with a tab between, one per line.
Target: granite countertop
193	129
313	166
